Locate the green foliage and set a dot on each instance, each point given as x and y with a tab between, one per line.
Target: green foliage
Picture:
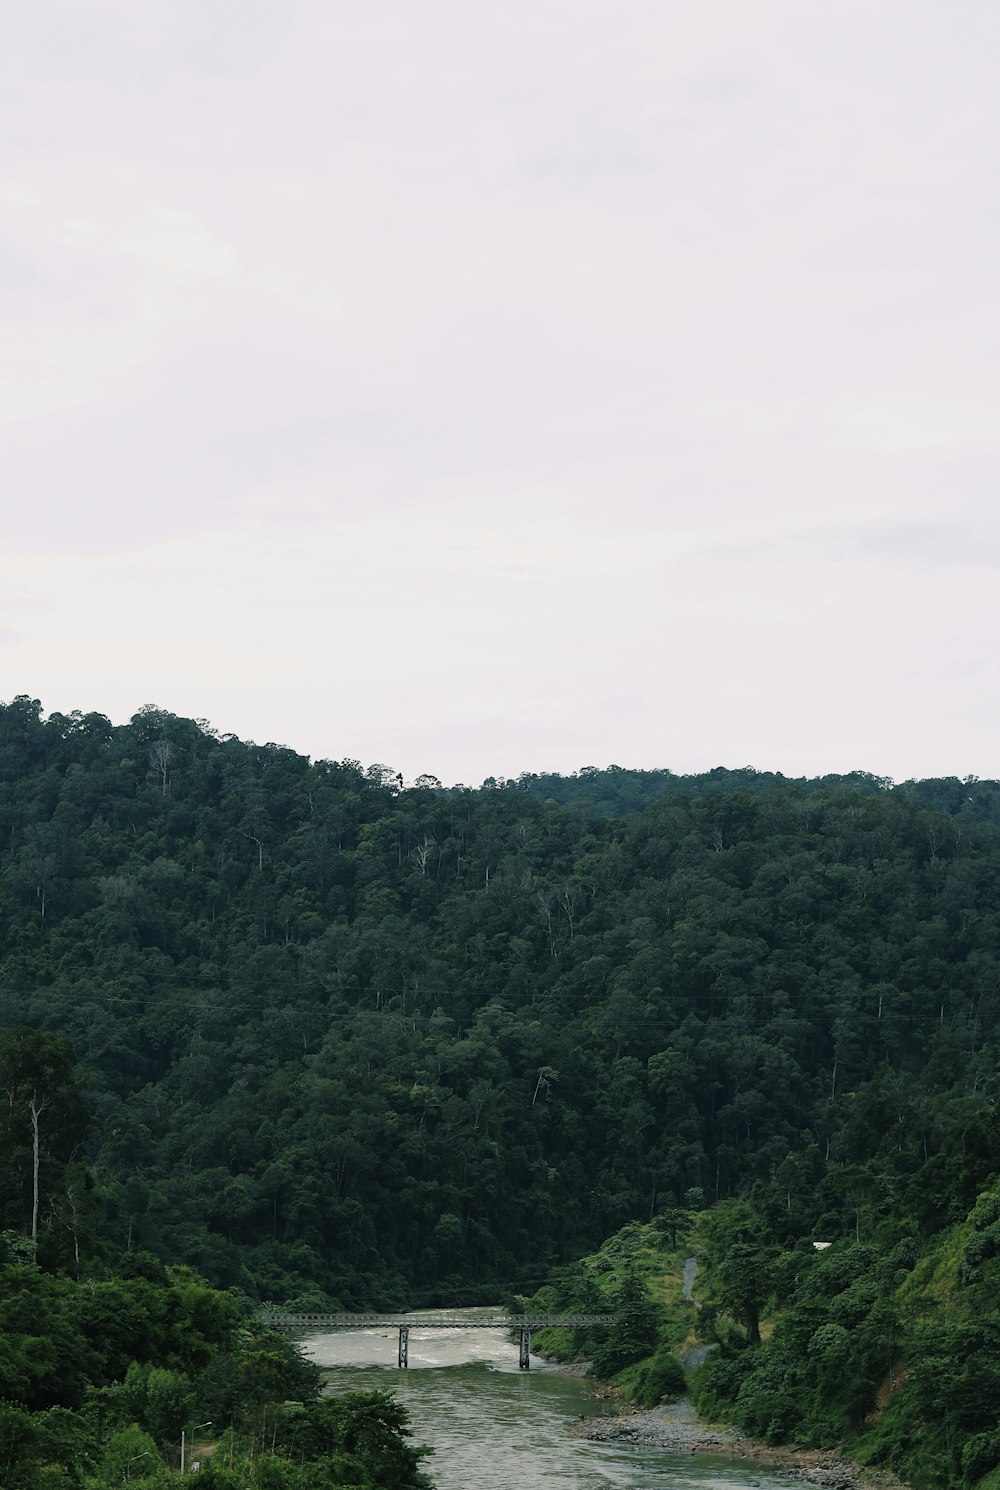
259	1369
744	1281
637	1278
634	1335
357	1043
42	1125
833	1342
169	1405
364	1432
130	1454
43	1450
661	1379
131	1412
894	1353
349	1043
673	1222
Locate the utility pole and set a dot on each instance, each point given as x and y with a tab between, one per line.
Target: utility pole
193	1430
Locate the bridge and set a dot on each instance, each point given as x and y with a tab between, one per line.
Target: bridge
285	1322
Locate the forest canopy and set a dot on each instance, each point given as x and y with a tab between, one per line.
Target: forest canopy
346	1041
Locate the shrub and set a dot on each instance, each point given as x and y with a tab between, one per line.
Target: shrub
663	1380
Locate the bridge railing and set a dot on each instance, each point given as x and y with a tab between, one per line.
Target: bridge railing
287	1319
521	1324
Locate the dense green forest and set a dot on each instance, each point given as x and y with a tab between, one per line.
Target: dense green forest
885	1343
107	1381
350	1042
330	1039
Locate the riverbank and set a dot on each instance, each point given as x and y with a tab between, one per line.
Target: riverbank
677	1427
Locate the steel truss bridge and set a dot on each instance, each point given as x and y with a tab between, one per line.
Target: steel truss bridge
288	1323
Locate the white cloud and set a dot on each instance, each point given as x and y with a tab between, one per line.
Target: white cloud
164	241
465	382
909	424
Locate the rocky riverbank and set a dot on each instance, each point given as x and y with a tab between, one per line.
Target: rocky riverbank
678	1427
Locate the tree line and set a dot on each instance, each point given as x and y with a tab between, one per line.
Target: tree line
107	1380
352	1043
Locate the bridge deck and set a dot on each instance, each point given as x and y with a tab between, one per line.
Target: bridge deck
282	1319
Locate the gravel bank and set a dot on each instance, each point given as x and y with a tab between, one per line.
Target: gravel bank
678	1427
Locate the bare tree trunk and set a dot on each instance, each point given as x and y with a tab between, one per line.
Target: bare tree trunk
161	753
260	847
74	1225
36	1108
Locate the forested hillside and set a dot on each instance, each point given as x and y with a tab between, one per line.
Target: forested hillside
104	1381
885	1343
345	1040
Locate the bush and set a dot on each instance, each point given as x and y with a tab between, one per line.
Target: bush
716	1384
980	1453
663	1380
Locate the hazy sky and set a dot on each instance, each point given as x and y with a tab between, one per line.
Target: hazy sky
479	387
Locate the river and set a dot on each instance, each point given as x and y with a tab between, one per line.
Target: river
494	1427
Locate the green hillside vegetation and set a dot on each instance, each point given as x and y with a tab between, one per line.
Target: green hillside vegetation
882	1345
99	1380
349	1043
331	1040
637	1276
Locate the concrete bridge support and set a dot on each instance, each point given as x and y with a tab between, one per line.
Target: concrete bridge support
404	1346
524	1355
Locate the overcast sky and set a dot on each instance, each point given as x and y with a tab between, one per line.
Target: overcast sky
485	387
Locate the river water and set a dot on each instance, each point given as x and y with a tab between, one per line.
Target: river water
494	1427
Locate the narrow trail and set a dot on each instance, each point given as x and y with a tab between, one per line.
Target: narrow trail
687	1279
695	1354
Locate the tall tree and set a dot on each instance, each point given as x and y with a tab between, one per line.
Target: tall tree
42	1121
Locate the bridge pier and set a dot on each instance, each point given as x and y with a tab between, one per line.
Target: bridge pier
524	1357
404	1346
